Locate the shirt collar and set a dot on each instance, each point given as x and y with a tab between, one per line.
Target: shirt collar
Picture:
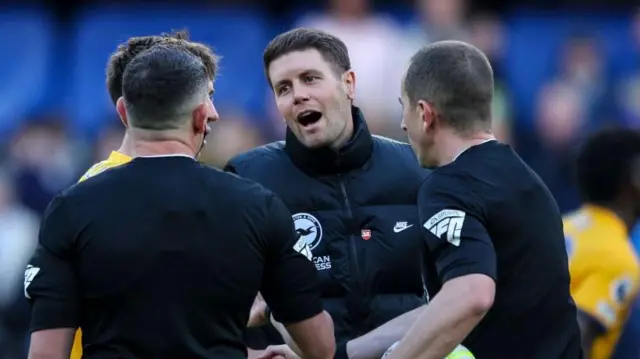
325	161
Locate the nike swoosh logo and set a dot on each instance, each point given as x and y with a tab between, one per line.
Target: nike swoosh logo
400	229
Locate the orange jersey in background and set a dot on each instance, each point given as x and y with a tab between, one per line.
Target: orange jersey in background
604	271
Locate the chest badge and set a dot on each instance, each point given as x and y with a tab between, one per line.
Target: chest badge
366	234
308	228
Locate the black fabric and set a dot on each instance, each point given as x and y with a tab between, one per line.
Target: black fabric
356	207
341	351
489	213
163	257
324	161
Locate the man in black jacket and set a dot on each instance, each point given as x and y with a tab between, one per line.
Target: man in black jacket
352	195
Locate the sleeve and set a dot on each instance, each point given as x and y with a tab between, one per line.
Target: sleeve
604	294
455	231
49	279
290	285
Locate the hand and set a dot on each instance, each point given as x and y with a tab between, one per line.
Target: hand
256	315
279	352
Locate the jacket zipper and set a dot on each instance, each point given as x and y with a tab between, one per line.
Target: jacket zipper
356	284
352	237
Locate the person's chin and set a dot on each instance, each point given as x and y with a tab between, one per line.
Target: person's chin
315	142
313	137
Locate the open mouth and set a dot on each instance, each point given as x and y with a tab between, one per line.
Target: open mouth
309	117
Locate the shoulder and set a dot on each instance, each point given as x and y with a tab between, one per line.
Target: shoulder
88	189
255	205
236	188
448	182
58	213
446	195
483	175
623	267
449	194
577	224
621	256
398	157
392	146
577	219
263	156
597	244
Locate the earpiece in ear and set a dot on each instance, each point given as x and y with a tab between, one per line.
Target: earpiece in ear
207	130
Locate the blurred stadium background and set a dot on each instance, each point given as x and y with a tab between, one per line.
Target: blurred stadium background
563	69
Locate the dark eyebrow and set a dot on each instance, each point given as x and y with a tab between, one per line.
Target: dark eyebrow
280	83
302	73
307	72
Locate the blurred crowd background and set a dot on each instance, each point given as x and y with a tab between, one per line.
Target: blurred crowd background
563	68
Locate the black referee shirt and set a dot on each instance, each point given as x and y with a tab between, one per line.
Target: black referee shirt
489	213
163	257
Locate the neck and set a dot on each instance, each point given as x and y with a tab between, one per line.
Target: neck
352	151
346	134
158	143
126	148
452	144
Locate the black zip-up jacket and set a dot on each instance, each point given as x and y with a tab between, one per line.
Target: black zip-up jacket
357	210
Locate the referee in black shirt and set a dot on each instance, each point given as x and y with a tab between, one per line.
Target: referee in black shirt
493	230
163	257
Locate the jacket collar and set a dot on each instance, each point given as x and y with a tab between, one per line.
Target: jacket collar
325	161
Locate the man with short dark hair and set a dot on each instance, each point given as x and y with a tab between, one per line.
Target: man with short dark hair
158	97
115	71
465	98
353	194
144	257
285	50
493	230
602	261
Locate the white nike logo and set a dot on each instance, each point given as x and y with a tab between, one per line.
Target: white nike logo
401	226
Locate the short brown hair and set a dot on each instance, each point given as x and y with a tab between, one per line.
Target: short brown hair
456	78
162	85
332	49
135	45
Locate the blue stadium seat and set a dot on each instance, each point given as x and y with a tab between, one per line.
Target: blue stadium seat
238	36
26	40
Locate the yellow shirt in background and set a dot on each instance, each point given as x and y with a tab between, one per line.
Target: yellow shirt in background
115	159
604	271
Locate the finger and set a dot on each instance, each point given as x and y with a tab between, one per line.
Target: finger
267	354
